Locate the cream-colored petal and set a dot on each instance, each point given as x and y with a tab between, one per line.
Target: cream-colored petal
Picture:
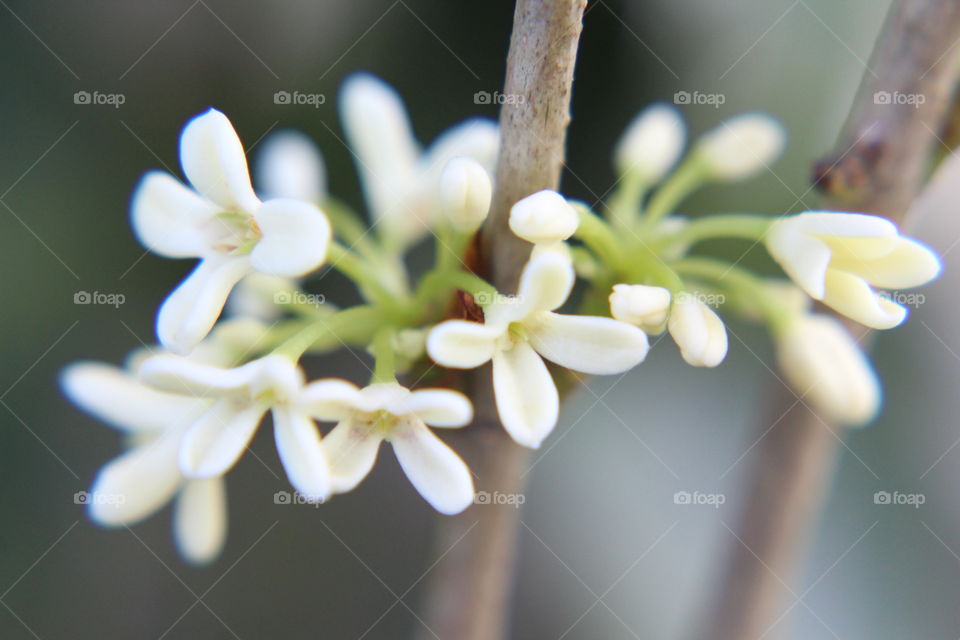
698	331
119	399
290	165
590	344
136	484
188	314
803	257
476	138
298	443
854	298
908	264
296	236
331	399
168	217
526	396
461	344
436	407
843	225
215	442
437	473
214	161
351	451
200	519
180	375
545	283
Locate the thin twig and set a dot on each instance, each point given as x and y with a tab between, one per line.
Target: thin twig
913	65
469	592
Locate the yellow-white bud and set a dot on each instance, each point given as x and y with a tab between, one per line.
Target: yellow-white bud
651	144
465	192
544	217
641	305
698	331
741	146
828	370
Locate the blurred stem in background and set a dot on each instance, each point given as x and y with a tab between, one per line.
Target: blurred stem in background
881	162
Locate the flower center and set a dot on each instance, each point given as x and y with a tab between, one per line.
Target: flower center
234	232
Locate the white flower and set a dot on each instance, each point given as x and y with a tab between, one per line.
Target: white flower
224	224
741	146
289	165
519	330
641	305
141	481
544	217
387	411
465	193
697	330
243	395
836	257
825	366
400	181
651	144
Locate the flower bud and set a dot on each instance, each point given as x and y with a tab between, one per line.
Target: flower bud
544	217
827	369
698	331
651	144
741	146
640	305
465	192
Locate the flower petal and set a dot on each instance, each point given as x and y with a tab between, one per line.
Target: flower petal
854	298
136	484
168	217
436	407
215	442
591	344
290	165
200	519
527	398
331	399
545	283
119	399
804	258
189	377
476	138
462	344
351	450
188	314
213	160
439	474
909	264
298	443
698	331
295	239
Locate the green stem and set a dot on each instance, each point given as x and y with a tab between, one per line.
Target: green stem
599	236
385	367
681	183
439	284
348	226
348	327
352	266
746	226
627	202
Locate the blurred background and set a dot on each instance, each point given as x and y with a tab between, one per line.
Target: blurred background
605	552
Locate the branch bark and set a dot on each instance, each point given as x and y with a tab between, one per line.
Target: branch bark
880	165
469	591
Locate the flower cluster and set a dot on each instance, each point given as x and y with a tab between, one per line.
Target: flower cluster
191	407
